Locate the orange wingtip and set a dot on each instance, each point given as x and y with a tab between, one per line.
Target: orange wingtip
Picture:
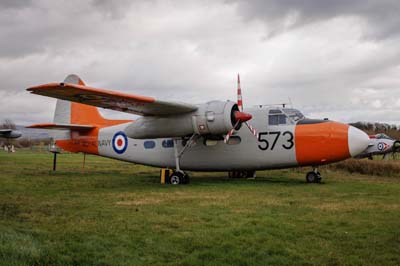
53	86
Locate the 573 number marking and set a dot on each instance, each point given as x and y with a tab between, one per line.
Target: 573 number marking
265	145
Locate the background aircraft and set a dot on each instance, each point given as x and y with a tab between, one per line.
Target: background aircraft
380	144
10	133
213	136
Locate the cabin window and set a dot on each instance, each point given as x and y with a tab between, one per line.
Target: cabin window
167	143
149	144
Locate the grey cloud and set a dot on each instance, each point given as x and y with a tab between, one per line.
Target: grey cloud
381	15
113	9
13	4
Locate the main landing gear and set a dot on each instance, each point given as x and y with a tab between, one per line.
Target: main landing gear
179	177
314	176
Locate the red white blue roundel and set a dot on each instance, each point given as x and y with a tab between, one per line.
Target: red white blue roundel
382	146
120	142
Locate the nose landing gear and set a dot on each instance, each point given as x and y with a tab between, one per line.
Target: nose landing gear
314	176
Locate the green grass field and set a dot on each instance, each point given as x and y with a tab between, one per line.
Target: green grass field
115	213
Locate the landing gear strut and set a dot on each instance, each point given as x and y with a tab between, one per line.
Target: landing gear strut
314	176
179	177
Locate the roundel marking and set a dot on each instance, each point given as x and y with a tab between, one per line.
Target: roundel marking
382	146
120	142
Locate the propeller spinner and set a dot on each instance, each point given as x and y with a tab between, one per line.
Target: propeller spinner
240	116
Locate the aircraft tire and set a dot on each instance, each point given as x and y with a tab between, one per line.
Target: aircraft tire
311	177
177	178
250	173
318	180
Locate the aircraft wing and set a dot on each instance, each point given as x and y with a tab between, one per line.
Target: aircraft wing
123	102
62	126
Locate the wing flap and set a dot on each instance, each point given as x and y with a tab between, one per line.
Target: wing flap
118	101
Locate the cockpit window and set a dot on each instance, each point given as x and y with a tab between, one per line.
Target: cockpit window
284	116
293	114
278	119
382	136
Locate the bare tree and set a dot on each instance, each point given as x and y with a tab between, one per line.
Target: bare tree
8	124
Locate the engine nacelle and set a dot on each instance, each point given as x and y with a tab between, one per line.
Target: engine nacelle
212	118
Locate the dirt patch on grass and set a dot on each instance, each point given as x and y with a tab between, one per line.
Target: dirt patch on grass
355	206
136	199
138	202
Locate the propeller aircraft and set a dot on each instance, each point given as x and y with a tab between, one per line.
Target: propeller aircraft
213	136
10	133
380	144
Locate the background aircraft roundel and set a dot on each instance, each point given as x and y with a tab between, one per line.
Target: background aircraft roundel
120	142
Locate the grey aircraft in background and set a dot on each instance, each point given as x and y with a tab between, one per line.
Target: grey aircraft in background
380	144
10	133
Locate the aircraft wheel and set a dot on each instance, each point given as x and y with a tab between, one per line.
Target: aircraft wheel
234	174
177	178
250	174
318	180
311	177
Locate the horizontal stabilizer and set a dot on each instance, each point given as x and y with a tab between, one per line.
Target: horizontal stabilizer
118	101
62	126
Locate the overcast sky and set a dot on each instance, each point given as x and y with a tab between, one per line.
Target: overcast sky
337	59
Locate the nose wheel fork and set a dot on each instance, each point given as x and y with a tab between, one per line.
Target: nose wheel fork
314	176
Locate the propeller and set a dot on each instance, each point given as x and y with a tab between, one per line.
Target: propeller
395	148
240	116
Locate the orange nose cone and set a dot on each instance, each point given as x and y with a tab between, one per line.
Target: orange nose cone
242	117
321	143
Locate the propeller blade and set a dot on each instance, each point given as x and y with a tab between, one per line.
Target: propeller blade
240	116
252	130
230	133
239	95
396	146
